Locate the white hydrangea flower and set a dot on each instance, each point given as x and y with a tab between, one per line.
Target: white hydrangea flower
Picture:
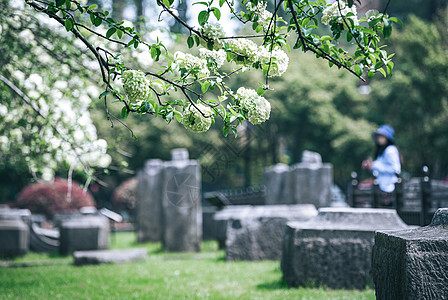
332	12
264	16
218	56
214	32
246	48
135	84
257	107
279	62
190	62
199	118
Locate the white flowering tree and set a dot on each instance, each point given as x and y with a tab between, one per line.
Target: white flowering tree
192	88
46	86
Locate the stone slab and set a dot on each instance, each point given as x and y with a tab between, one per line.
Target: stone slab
277	180
412	264
108	256
182	206
149	202
84	233
255	232
14	235
334	248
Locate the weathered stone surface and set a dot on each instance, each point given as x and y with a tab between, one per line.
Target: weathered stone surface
278	185
310	157
222	217
181	206
179	154
14	232
84	233
412	264
108	256
149	202
334	248
311	183
208	224
255	232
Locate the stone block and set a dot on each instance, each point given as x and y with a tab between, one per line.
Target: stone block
108	256
14	233
84	233
208	224
311	184
278	186
334	248
412	264
255	233
149	202
181	206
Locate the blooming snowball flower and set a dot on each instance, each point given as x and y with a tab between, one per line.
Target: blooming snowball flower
198	117
190	62
218	56
264	16
214	32
257	107
332	12
135	84
277	59
246	48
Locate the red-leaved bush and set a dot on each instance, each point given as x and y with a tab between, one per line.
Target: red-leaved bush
125	196
49	198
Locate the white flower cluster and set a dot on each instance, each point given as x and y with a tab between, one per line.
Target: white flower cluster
136	85
199	118
219	57
264	16
332	12
278	59
257	107
246	48
190	62
214	32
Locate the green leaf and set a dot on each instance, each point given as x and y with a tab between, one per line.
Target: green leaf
166	3
370	74
124	113
190	41
221	2
119	33
216	12
110	32
358	70
261	91
104	94
60	2
225	131
205	86
235	132
178	116
396	20
68	4
98	21
69	24
382	72
203	17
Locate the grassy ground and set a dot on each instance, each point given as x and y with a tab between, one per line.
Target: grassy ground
204	275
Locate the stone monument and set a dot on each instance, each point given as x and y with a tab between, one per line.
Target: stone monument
278	185
412	264
14	231
334	248
256	232
149	202
308	182
169	207
182	212
89	232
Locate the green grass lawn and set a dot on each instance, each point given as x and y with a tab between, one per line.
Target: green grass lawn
162	275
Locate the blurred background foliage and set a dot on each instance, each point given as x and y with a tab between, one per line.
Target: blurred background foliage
313	108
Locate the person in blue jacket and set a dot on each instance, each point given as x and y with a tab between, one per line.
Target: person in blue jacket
386	164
